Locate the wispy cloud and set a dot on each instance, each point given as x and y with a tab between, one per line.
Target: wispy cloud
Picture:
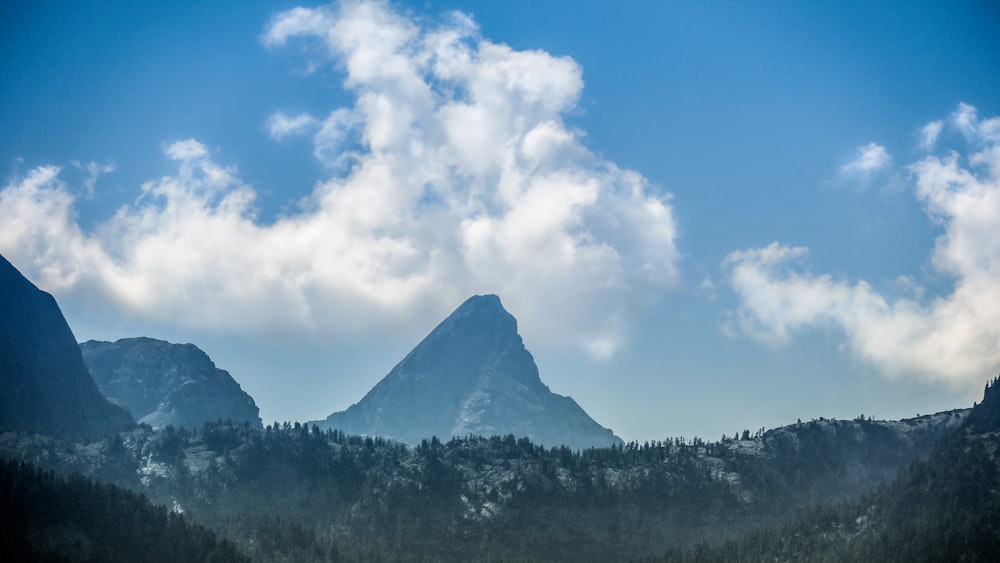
871	158
280	125
953	337
453	173
929	135
91	171
966	120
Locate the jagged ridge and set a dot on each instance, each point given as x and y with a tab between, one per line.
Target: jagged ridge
163	383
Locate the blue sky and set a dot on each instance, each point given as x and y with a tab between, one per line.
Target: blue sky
706	216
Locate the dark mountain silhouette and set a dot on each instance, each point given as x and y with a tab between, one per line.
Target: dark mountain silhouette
46	387
163	383
470	375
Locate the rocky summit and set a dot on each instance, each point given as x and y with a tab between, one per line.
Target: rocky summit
471	376
45	385
163	383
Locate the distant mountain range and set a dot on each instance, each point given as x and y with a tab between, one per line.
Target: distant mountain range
163	383
470	376
922	489
44	384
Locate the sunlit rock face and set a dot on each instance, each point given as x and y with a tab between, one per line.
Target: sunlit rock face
164	383
471	375
44	384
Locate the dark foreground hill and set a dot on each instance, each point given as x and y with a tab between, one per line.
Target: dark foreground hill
163	383
470	376
48	518
44	385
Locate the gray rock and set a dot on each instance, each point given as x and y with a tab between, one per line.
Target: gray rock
44	385
163	383
471	376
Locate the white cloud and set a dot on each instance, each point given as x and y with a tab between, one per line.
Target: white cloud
953	337
296	21
966	120
929	135
92	171
454	174
186	150
280	125
871	157
333	141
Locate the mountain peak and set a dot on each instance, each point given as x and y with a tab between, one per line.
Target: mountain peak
488	299
479	313
488	304
46	387
164	383
476	327
470	375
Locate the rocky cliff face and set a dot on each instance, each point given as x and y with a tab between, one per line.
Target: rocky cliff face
471	375
164	383
44	384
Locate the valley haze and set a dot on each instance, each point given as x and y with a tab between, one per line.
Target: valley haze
705	217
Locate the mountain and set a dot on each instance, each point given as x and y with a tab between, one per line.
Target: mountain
46	387
163	383
942	508
470	376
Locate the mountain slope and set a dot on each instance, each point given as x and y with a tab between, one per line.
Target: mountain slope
944	508
947	508
163	383
46	387
470	375
290	492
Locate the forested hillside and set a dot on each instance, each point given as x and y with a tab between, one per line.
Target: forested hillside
946	508
48	518
294	492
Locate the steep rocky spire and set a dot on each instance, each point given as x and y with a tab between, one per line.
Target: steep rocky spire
470	375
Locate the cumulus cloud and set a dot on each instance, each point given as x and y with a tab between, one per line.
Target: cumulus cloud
953	337
453	173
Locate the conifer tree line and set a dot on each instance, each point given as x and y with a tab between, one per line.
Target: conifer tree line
44	517
293	492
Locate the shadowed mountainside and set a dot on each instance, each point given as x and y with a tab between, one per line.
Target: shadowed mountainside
45	385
